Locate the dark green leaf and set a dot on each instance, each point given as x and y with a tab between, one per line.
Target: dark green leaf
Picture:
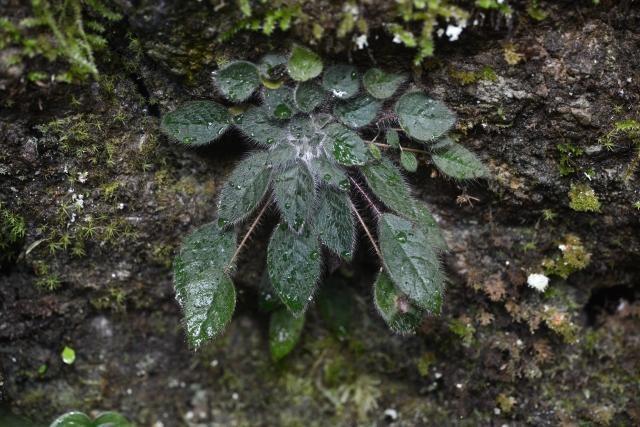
375	152
420	215
293	262
394	307
73	419
336	306
304	64
279	102
281	157
392	138
334	223
196	122
284	332
245	188
204	291
380	84
328	172
301	128
345	146
456	161
295	194
388	184
238	80
342	81
357	112
257	124
411	262
308	96
408	161
423	118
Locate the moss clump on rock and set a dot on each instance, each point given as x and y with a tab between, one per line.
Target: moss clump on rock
583	198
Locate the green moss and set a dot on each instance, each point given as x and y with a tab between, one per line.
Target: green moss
411	23
573	257
464	77
12	231
582	198
114	299
425	362
628	129
568	153
60	29
464	329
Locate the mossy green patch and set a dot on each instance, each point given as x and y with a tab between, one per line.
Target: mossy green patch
574	257
582	198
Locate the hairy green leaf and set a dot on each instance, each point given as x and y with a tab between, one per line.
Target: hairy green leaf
257	124
197	122
420	215
304	64
279	102
295	194
293	262
238	80
423	118
334	223
308	96
380	84
301	128
357	112
341	81
345	146
281	157
245	188
392	138
394	307
284	332
204	291
388	184
411	262
336	306
456	161
328	172
375	152
408	161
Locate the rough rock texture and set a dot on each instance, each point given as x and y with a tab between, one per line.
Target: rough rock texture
106	199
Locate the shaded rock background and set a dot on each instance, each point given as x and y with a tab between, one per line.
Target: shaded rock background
106	199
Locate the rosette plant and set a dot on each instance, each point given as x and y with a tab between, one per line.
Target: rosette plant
319	132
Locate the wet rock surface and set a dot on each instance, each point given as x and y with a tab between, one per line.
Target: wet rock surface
106	199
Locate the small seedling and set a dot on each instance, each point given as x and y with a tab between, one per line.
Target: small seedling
68	355
318	133
80	419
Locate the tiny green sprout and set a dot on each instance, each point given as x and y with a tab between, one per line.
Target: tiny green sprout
68	355
549	214
80	419
322	138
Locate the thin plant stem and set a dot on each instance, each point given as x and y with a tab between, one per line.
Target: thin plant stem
366	196
253	226
415	150
366	230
